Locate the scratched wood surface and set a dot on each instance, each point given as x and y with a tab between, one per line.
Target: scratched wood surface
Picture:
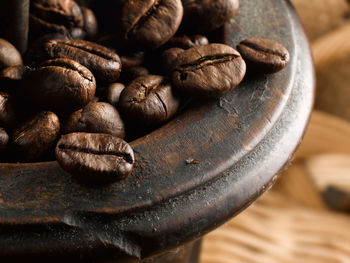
242	141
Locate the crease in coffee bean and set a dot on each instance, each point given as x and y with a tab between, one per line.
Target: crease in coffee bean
81	73
207	61
72	148
142	19
266	51
58	47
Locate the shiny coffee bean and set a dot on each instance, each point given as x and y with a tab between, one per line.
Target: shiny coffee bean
59	84
90	23
131	73
4	138
54	16
113	93
8	110
263	55
150	23
35	137
94	157
97	117
167	61
11	77
208	71
9	55
101	61
186	42
149	100
202	16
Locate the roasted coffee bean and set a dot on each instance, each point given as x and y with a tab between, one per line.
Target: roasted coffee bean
149	100
9	55
10	78
97	117
35	137
167	60
132	61
202	16
131	73
263	55
59	84
102	61
113	93
95	157
186	42
54	16
8	110
208	71
150	23
90	22
4	138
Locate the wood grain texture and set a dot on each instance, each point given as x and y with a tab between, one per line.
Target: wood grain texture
242	141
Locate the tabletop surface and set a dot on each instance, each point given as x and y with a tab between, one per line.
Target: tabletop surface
242	141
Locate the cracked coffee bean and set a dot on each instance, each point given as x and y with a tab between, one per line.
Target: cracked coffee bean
263	55
35	137
202	16
94	157
208	71
55	16
113	93
149	100
60	84
103	62
148	24
9	55
4	138
97	117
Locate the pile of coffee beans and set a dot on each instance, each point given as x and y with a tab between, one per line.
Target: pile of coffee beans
97	73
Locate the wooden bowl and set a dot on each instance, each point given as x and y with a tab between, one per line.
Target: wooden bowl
242	141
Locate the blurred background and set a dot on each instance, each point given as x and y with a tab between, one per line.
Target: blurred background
305	217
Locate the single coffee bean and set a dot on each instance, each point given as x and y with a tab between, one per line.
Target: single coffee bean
113	93
263	55
102	61
149	100
9	55
8	110
202	16
132	61
167	61
4	138
54	16
10	78
59	84
94	157
131	73
90	22
35	137
186	42
97	117
150	23
208	71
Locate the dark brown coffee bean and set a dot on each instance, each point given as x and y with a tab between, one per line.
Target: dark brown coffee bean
60	84
113	93
263	55
98	117
149	100
202	16
208	71
35	137
150	23
167	61
132	61
8	110
9	55
102	61
94	157
186	42
54	16
4	138
10	78
131	73
90	22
